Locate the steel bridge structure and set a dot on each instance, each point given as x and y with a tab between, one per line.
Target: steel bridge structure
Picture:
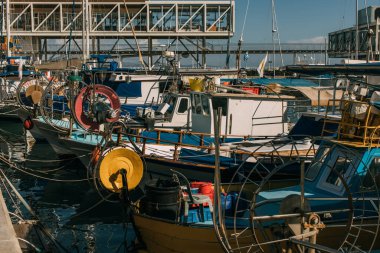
87	25
51	29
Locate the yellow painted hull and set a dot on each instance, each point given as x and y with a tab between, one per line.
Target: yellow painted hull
161	236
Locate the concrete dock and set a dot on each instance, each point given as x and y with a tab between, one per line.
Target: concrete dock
8	240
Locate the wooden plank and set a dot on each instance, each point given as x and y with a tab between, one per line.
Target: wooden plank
8	240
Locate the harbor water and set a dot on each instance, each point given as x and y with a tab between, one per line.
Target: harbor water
72	212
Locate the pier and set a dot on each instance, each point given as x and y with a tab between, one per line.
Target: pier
8	239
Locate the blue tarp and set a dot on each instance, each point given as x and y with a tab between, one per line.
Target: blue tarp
132	89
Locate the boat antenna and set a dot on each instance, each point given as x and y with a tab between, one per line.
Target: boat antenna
135	38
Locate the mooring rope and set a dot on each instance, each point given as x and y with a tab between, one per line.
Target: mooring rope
14	166
6	113
56	160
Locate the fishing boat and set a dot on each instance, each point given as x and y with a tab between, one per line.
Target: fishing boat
193	152
333	207
12	72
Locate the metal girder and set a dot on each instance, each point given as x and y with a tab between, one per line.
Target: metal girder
218	19
115	25
19	15
162	18
133	18
105	17
47	17
72	21
192	16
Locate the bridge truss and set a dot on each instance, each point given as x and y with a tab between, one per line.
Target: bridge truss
87	25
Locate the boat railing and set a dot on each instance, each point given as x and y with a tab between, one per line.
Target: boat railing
208	147
359	123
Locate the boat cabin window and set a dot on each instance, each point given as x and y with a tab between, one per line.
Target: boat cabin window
200	104
314	169
372	176
183	105
220	102
164	86
171	102
338	164
197	107
205	105
341	165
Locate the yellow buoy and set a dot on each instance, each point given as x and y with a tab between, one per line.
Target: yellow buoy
114	162
196	84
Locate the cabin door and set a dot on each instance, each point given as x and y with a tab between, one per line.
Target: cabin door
201	115
181	117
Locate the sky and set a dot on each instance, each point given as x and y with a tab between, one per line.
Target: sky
297	20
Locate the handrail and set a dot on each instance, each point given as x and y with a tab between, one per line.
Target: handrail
179	143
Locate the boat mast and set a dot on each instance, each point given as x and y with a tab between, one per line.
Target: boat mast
274	30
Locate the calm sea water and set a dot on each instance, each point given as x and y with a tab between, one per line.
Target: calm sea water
58	204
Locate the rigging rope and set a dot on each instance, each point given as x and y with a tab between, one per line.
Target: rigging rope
135	38
245	19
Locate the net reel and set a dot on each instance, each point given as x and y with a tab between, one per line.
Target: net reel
96	105
113	163
116	165
29	92
293	219
55	105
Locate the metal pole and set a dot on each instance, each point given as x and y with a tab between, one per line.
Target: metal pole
204	64
218	211
326	48
8	27
150	53
2	23
83	30
357	33
87	30
302	198
377	39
